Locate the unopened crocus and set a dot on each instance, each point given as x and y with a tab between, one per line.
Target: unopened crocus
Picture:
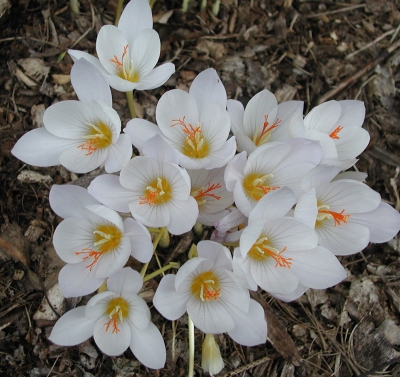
80	135
128	53
117	319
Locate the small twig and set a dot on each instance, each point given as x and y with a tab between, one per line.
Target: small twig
375	41
32	39
87	31
327	13
246	367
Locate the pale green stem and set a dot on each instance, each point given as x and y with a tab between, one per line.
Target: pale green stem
215	8
233	244
155	244
185	5
165	240
161	271
191	347
118	12
129	97
154	230
203	4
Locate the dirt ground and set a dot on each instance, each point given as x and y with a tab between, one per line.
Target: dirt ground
300	49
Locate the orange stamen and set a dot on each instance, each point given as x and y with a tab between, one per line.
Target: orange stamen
114	321
335	133
115	60
206	192
266	128
280	261
338	217
90	146
209	293
90	254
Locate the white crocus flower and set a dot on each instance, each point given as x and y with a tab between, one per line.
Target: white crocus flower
80	135
93	240
212	197
337	125
269	167
128	53
154	190
117	319
209	291
280	253
343	211
195	124
264	120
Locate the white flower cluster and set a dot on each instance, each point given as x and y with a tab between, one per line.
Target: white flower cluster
284	202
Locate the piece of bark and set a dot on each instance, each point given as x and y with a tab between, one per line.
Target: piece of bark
277	333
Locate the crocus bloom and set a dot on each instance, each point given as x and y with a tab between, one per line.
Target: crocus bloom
216	302
264	120
337	125
94	241
336	209
279	253
196	124
117	319
212	197
128	53
155	191
80	135
268	168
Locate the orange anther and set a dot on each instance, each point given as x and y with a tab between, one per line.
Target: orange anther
338	217
335	133
206	192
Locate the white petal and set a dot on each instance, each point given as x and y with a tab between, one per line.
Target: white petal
89	83
223	155
207	87
73	235
244	143
250	328
141	130
145	51
353	113
236	112
209	316
262	105
352	142
110	45
323	117
142	247
174	106
107	189
148	346
125	281
215	252
290	114
170	303
41	148
183	214
76	55
114	260
276	204
317	268
249	236
72	328
299	291
273	279
157	77
157	148
306	209
182	277
77	280
110	342
78	160
69	200
135	18
242	201
346	239
383	222
234	170
119	154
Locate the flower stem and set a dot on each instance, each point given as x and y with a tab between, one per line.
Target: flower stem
185	5
191	347
155	244
161	270
118	12
129	97
198	229
154	230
